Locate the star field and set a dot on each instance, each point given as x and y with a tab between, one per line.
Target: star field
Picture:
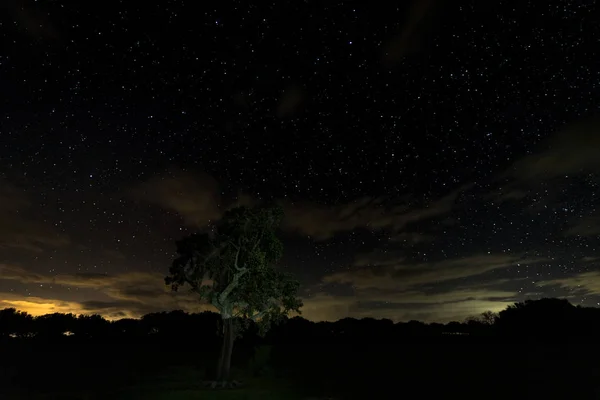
435	160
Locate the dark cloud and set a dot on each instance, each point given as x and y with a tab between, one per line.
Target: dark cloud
507	193
323	222
31	19
585	283
412	238
195	197
402	290
20	228
585	226
399	274
571	151
408	305
132	293
291	101
409	39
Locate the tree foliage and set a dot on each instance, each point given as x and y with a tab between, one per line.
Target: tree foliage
232	267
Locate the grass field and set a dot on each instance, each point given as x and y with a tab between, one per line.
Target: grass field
177	383
502	371
129	372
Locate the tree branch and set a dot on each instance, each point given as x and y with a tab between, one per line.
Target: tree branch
213	253
237	256
258	239
204	291
272	302
215	301
195	262
232	285
259	315
240	305
188	269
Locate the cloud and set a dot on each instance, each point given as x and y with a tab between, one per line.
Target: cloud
590	259
195	197
321	222
400	290
19	229
401	275
571	151
137	293
407	41
378	258
587	226
38	305
32	20
507	193
11	198
292	99
129	294
412	237
585	282
405	306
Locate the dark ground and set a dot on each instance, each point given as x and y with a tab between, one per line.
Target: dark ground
458	369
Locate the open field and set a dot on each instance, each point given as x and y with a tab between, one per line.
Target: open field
472	371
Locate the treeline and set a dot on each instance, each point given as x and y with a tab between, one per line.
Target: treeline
537	319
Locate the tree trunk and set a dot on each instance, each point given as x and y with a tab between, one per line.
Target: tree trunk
224	365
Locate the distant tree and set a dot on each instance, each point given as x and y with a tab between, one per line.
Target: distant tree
488	317
485	318
538	318
167	324
233	269
15	323
54	325
91	326
127	329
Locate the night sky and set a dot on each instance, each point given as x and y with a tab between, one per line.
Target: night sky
435	159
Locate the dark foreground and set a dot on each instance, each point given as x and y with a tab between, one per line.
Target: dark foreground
425	370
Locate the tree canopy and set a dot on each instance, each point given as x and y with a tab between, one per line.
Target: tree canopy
233	266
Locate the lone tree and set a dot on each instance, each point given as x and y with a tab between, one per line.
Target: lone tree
232	268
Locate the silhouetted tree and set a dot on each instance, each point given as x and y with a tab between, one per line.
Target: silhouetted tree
54	325
128	328
538	318
91	326
15	323
488	317
481	324
232	269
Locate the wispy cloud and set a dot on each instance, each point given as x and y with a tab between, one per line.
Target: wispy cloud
195	197
412	237
585	226
323	222
401	275
507	193
129	294
19	228
39	305
407	40
398	289
408	305
291	101
585	282
135	294
571	151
